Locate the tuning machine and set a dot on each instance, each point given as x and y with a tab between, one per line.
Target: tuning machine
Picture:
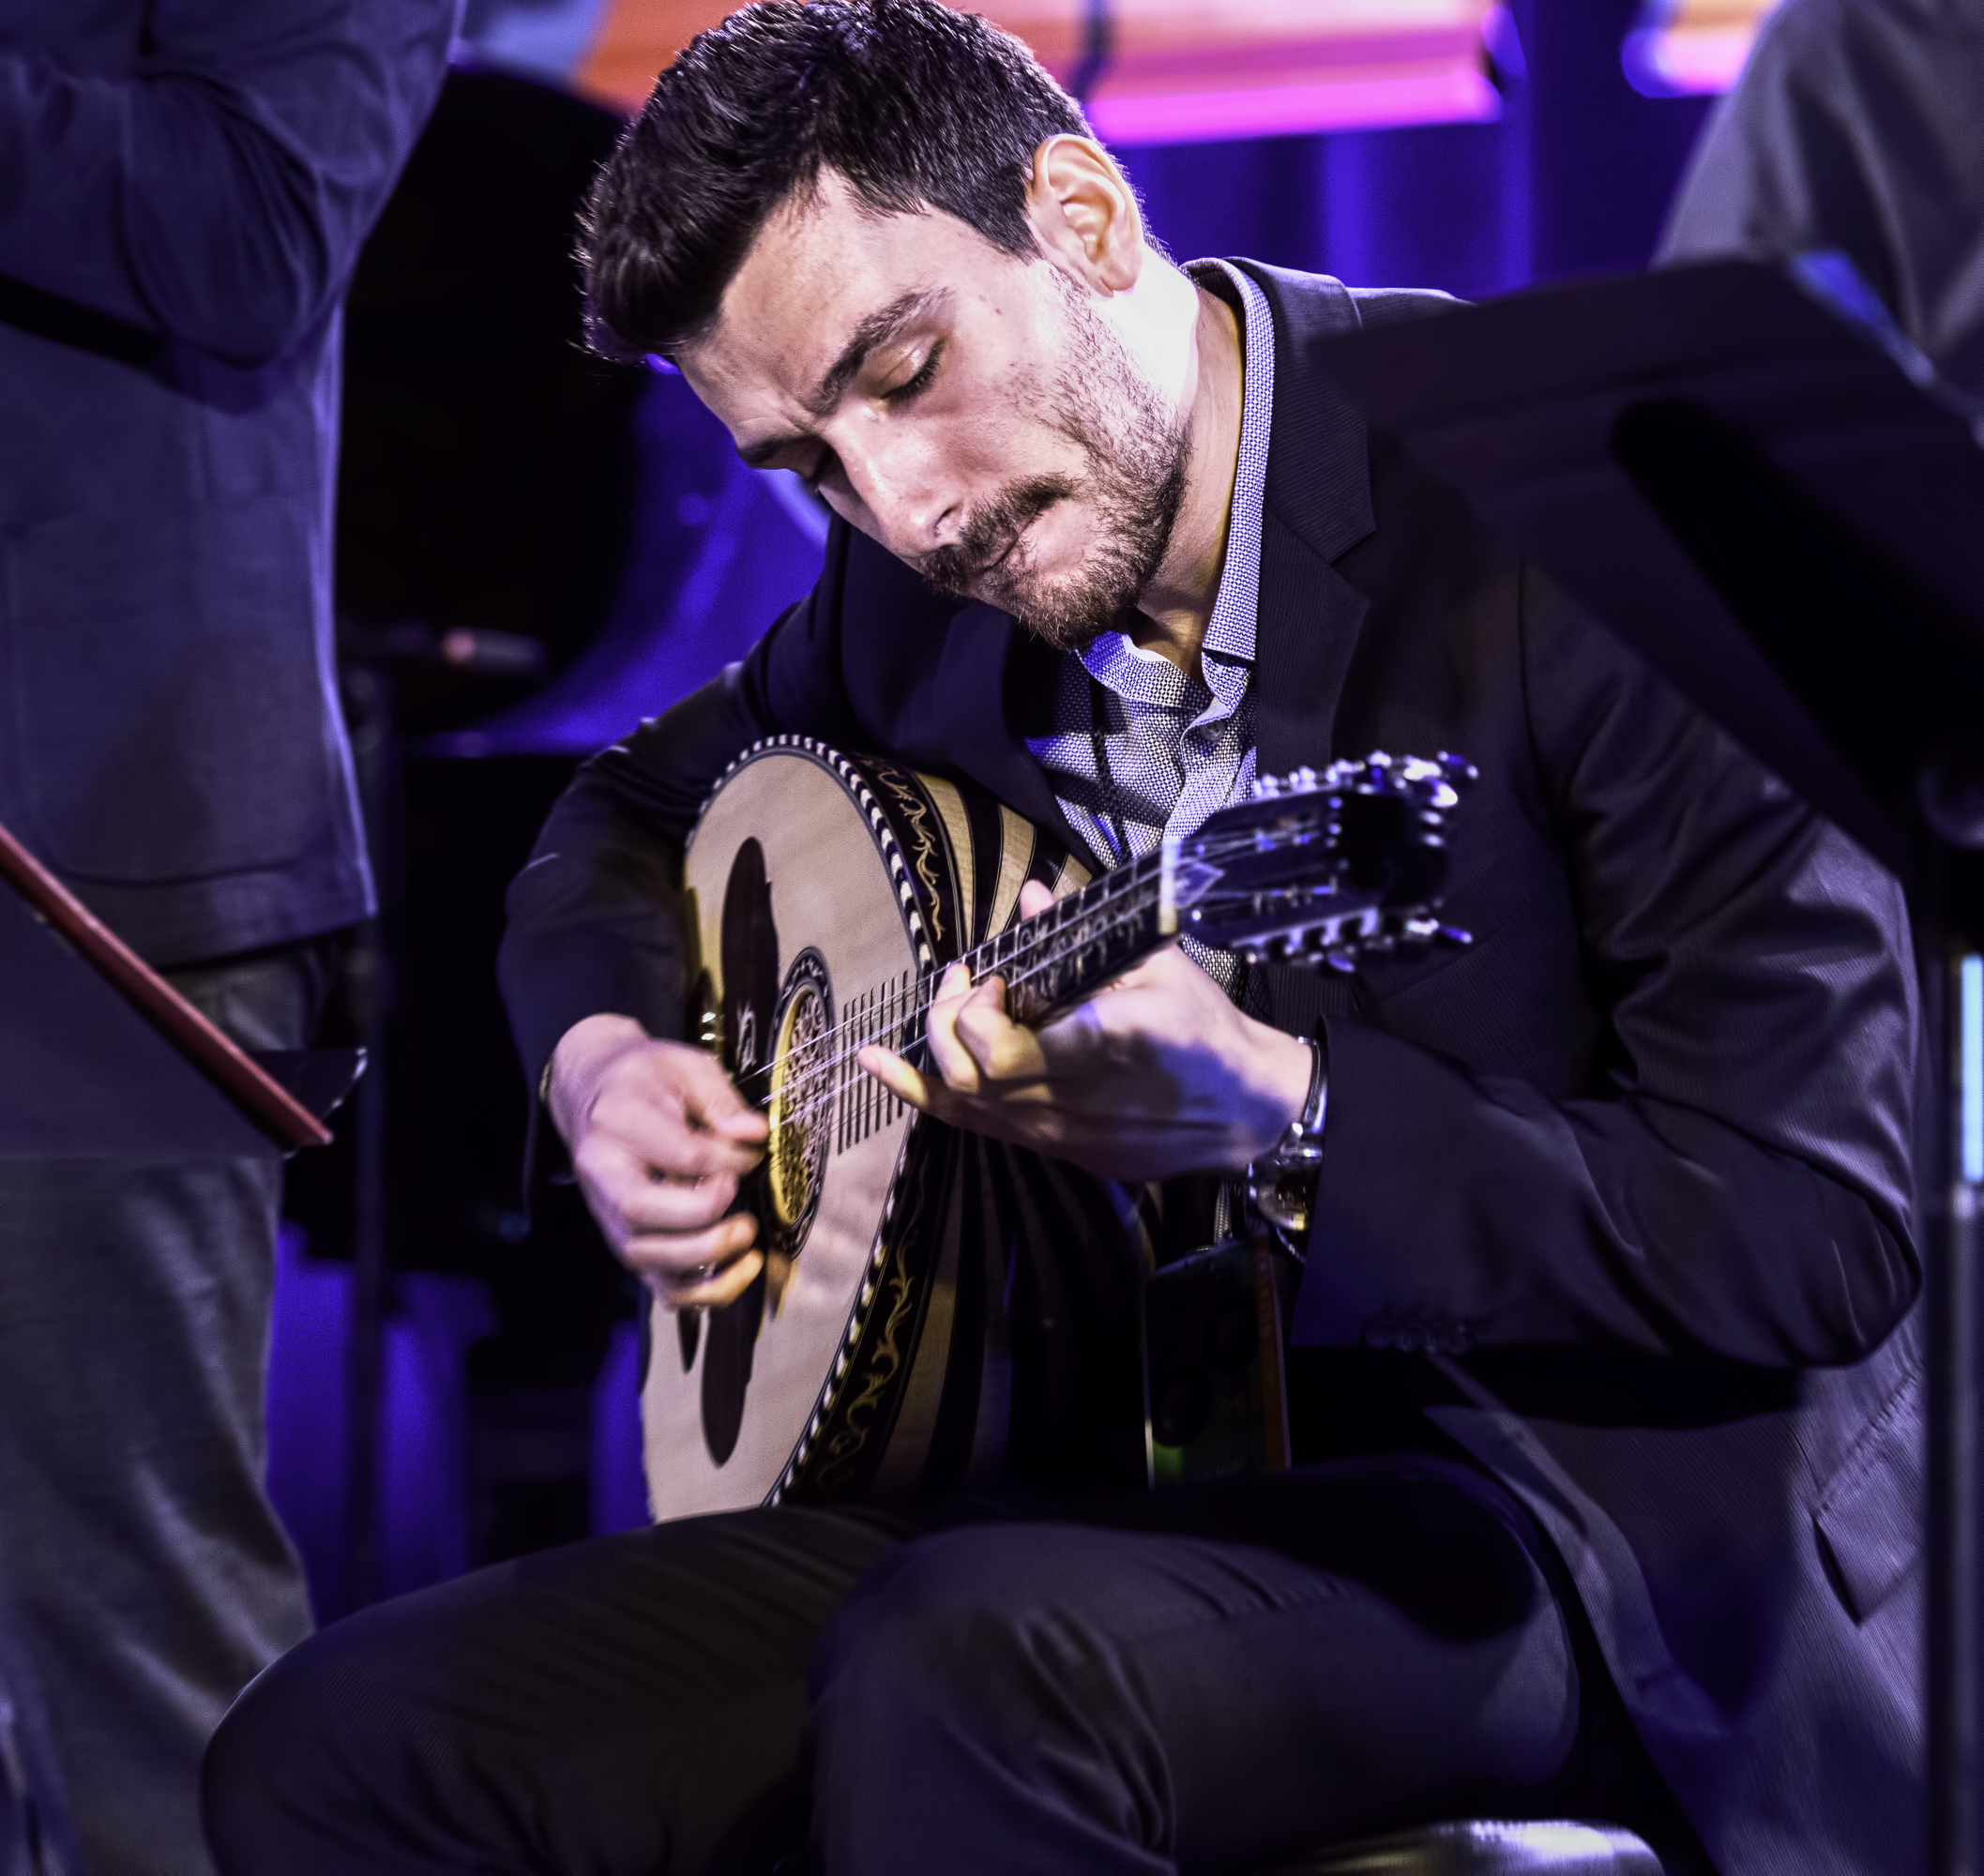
1339	944
1434	782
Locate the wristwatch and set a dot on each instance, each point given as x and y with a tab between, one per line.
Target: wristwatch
1281	1183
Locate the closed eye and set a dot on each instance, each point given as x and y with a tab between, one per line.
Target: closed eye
912	388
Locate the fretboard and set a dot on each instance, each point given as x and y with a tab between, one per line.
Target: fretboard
1049	962
1055	958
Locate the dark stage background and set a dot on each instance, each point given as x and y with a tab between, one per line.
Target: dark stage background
596	550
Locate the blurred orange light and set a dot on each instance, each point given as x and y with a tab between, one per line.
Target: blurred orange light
1175	70
1689	46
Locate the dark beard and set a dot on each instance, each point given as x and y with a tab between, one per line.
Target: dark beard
1136	476
991	530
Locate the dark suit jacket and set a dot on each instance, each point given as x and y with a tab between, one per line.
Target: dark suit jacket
1627	1182
184	188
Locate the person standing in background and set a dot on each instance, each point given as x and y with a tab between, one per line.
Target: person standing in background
185	186
1857	126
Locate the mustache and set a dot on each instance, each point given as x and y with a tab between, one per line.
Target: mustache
988	535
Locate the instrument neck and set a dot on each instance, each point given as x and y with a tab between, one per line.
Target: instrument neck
1060	955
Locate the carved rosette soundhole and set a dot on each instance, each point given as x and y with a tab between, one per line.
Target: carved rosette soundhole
801	1107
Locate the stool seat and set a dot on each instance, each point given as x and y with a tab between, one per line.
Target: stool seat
1482	1848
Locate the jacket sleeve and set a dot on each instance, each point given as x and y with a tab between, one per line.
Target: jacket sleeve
218	194
596	922
1737	1184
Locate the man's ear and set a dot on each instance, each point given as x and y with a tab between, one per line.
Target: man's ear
1086	214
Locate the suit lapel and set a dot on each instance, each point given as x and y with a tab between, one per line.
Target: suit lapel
1317	506
1309	623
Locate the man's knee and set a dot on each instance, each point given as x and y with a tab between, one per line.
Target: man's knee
962	1617
973	1678
295	1752
358	1749
999	1643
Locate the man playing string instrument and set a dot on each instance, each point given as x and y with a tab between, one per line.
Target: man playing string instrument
1604	1500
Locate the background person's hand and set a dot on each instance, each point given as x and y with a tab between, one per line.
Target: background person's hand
1157	1075
658	1140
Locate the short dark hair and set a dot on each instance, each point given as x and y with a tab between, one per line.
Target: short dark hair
917	105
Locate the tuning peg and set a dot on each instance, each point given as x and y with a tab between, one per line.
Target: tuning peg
1452	937
1304	780
1458	770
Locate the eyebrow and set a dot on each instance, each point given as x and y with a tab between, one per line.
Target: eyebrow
876	330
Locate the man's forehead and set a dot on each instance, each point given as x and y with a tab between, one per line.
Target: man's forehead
824	266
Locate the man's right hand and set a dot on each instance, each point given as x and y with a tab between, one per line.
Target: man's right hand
658	1140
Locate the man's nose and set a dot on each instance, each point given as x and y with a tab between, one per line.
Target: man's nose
915	508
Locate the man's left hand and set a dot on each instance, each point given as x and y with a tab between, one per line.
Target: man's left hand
1156	1075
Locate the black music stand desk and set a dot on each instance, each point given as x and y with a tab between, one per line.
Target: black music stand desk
1752	478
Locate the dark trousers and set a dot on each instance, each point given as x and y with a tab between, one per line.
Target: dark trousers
144	1576
1200	1679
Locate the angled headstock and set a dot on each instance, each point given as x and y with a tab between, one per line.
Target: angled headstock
1320	868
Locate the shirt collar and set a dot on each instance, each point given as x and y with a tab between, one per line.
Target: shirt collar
1229	631
1229	640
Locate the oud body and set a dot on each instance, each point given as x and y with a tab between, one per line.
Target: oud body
872	1357
827	894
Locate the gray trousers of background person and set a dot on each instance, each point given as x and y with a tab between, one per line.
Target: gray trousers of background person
145	1577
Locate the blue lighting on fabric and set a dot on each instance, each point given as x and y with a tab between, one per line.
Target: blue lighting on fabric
1973	1093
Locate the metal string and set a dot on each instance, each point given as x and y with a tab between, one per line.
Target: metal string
1131	881
863	1031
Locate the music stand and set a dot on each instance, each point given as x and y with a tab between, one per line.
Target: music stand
1751	478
